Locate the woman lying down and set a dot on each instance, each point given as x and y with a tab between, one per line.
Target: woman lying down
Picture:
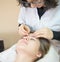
30	49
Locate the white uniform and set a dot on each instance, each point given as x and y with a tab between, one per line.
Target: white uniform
50	19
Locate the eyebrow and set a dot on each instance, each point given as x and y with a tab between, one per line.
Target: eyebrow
33	38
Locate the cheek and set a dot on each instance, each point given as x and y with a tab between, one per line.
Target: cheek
33	48
33	5
39	5
29	0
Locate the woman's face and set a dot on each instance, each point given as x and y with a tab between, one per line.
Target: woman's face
36	3
29	45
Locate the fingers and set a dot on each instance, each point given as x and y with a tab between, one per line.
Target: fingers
38	35
24	30
46	33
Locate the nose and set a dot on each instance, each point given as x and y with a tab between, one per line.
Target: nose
25	38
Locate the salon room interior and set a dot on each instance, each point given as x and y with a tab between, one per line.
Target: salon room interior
9	11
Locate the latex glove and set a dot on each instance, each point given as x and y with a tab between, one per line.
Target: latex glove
24	30
44	32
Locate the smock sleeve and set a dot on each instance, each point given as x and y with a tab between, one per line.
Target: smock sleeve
56	35
21	16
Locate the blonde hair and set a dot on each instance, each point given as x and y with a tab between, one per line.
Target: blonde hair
44	47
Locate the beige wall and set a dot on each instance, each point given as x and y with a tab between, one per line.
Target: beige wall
8	22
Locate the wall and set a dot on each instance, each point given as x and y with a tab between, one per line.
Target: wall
9	10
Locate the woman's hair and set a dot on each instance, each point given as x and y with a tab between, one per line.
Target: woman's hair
44	47
51	3
48	3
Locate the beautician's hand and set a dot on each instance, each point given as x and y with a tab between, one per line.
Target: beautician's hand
45	32
24	30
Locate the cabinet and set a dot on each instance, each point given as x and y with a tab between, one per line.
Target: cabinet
1	45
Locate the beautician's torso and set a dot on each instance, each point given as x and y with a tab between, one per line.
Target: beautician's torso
50	19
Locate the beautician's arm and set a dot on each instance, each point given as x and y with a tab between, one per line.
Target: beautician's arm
56	35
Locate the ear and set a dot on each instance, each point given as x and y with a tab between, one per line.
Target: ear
39	54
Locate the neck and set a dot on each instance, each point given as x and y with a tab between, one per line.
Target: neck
24	58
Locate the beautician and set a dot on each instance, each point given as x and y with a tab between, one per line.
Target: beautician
41	16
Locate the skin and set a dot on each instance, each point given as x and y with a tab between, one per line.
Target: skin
26	52
37	5
44	32
24	30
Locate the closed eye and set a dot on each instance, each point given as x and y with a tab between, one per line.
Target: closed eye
33	39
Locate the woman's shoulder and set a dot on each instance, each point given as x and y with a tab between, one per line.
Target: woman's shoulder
12	48
8	55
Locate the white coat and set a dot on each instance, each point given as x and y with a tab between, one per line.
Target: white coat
50	19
